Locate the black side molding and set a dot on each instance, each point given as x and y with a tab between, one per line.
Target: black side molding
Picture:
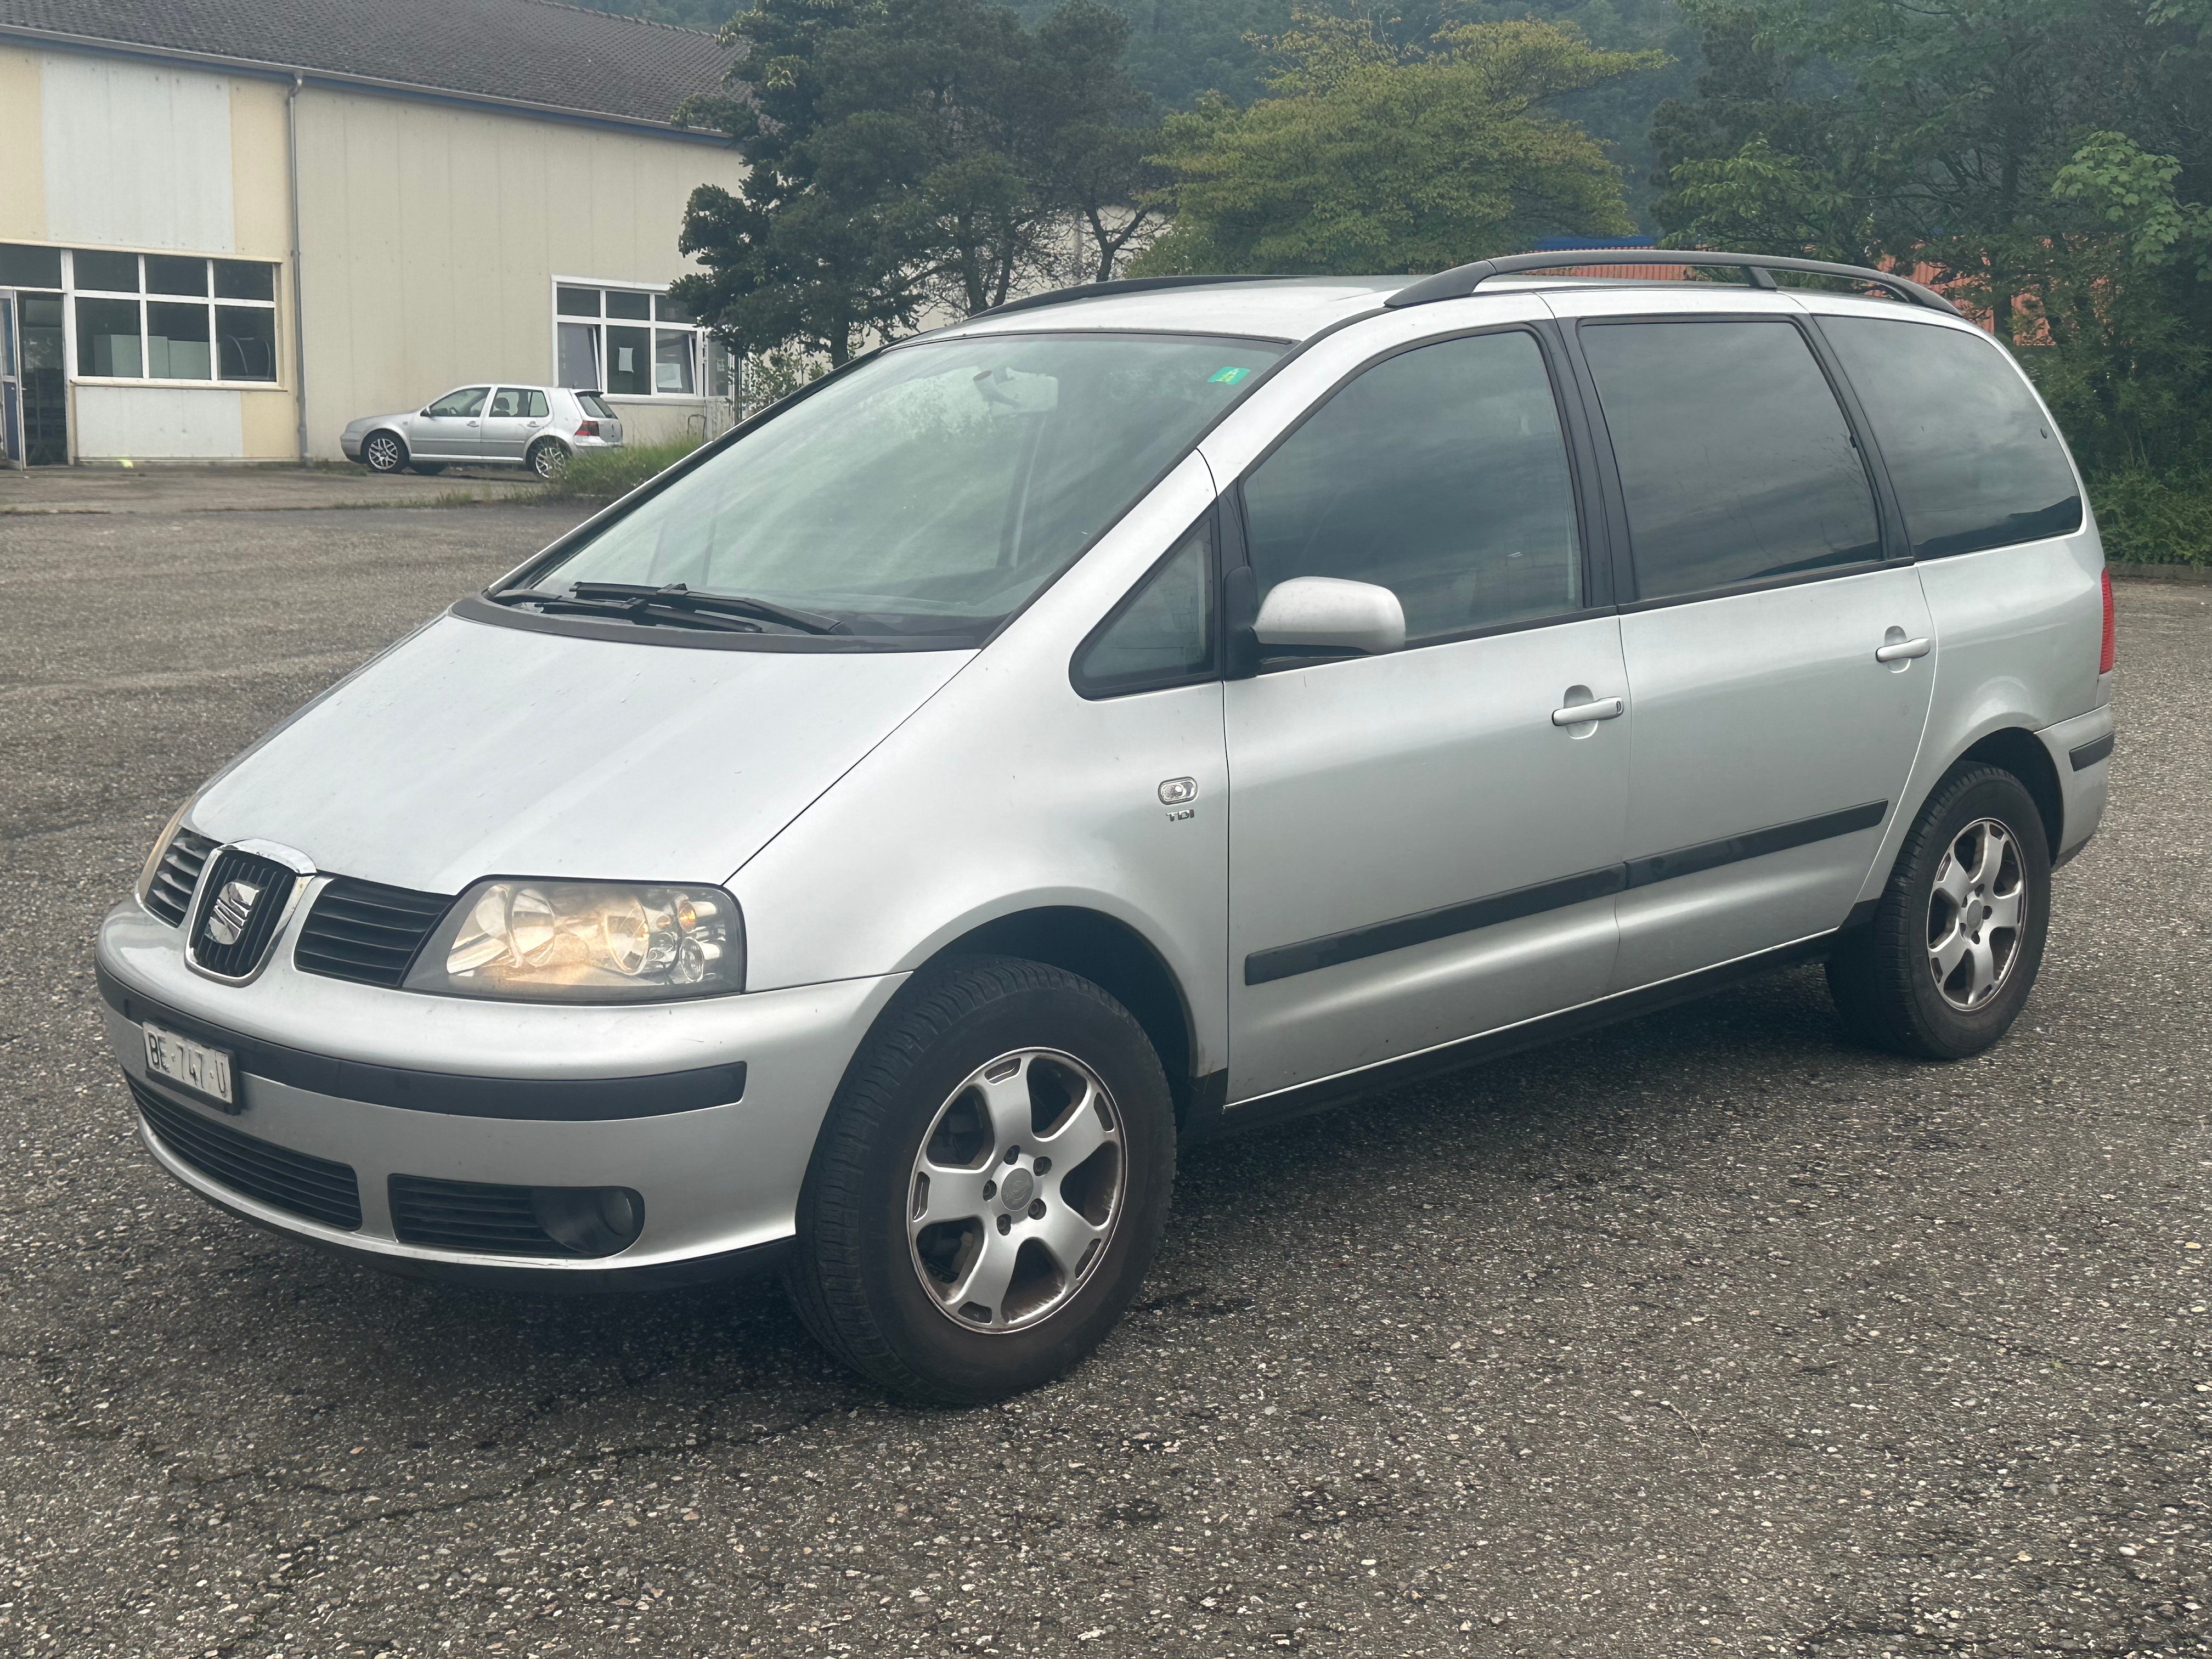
1283	961
2090	752
550	1099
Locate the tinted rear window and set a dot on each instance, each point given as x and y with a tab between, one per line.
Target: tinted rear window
1735	457
593	407
1971	454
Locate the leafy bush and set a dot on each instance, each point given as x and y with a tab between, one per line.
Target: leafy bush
610	472
2148	517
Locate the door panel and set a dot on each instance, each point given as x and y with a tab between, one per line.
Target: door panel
513	418
1387	789
451	428
1764	720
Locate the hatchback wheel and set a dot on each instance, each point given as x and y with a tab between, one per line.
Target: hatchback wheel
383	452
990	1186
547	458
1948	963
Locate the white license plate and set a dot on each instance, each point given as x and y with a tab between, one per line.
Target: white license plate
195	1065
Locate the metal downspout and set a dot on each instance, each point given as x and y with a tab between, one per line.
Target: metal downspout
299	326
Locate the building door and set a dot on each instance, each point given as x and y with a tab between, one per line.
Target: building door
43	359
11	385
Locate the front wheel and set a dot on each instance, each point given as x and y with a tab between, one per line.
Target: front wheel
383	451
1946	963
990	1186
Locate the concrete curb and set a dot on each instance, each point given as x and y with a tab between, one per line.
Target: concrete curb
2124	571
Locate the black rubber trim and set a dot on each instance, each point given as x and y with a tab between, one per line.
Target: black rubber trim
565	1100
1330	949
1373	939
1756	843
1319	1096
2091	752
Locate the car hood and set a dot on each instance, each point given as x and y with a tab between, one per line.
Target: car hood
470	749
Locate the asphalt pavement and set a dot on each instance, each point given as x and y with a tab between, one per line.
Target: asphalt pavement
1707	1335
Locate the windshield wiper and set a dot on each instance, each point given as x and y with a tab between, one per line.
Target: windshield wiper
728	604
637	608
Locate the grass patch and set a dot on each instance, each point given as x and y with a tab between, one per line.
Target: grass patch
607	473
2155	518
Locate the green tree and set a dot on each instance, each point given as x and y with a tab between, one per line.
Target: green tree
1375	155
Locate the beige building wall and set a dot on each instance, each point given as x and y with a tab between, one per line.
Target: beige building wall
433	234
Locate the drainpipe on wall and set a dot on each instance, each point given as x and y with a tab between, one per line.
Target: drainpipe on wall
299	327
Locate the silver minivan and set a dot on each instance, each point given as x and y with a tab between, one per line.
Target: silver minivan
873	845
539	426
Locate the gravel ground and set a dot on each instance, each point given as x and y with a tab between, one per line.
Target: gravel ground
1707	1335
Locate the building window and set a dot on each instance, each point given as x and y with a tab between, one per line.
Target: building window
162	317
631	343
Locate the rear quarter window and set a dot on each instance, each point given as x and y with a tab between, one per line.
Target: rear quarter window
1975	461
594	407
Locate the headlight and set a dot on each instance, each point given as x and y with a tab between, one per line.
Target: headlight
585	941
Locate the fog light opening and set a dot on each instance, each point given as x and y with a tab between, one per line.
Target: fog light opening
589	1220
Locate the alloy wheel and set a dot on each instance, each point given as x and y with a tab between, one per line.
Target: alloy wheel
382	452
1017	1190
1977	913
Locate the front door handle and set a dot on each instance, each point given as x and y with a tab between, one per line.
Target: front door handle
1582	713
1898	650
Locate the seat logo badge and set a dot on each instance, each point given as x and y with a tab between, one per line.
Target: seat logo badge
234	909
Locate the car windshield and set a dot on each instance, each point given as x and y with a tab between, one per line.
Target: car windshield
933	489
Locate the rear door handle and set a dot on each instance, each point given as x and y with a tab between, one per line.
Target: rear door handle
1582	713
1901	650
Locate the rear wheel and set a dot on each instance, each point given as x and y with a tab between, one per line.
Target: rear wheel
383	451
547	458
1957	937
990	1186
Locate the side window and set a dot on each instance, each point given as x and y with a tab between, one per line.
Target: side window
1440	474
1971	454
1161	635
467	401
507	404
533	406
1735	460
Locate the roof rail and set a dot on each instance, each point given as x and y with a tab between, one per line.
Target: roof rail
1462	280
1103	290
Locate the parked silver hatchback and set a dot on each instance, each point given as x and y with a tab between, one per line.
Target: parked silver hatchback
874	845
539	426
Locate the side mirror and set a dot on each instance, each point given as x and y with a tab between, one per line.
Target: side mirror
1331	614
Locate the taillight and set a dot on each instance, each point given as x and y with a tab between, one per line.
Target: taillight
2108	653
590	430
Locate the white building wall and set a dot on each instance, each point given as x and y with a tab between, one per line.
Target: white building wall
172	423
135	157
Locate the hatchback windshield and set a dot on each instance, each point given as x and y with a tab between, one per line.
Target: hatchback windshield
933	490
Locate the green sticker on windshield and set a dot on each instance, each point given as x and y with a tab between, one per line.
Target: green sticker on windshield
1226	376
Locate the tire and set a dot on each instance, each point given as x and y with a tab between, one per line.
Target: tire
428	469
546	459
891	1299
1938	973
384	452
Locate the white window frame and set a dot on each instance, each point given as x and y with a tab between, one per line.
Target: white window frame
71	293
702	342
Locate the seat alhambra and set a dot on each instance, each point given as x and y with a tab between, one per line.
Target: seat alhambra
872	847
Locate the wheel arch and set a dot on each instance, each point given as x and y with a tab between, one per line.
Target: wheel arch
2015	749
1111	954
392	432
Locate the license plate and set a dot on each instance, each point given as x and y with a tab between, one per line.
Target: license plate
195	1065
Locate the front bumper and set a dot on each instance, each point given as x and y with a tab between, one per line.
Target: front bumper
349	443
719	1181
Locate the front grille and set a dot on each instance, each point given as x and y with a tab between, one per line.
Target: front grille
284	1179
246	893
469	1215
363	931
170	894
